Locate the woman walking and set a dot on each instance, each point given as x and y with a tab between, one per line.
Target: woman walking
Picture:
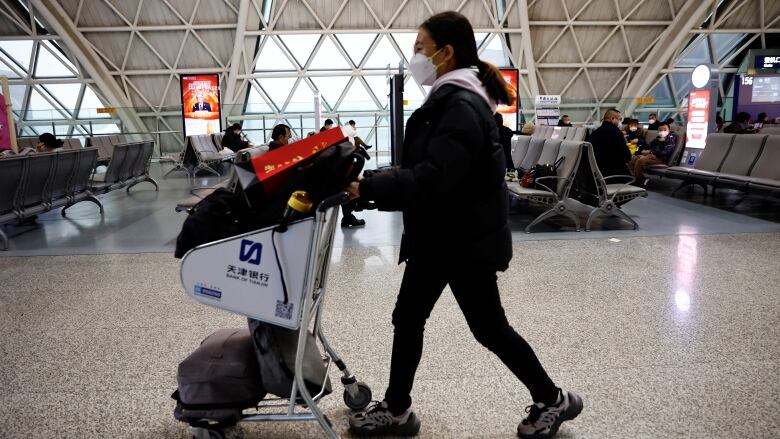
451	190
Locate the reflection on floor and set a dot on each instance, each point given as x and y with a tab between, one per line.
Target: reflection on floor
145	221
664	337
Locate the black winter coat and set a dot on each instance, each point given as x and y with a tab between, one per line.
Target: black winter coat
233	141
450	185
609	147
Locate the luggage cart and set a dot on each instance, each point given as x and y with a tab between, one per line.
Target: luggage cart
298	263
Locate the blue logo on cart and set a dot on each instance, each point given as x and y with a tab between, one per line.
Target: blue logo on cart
691	158
250	251
208	292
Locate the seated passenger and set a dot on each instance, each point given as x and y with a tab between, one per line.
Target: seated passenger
658	153
635	137
358	141
232	139
740	125
609	145
564	121
327	125
48	143
653	122
528	129
280	136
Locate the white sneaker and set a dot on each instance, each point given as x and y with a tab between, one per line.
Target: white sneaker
379	421
543	420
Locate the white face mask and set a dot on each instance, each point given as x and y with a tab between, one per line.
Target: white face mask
422	68
632	128
652	120
663	133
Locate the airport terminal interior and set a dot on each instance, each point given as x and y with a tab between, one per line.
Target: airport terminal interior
650	291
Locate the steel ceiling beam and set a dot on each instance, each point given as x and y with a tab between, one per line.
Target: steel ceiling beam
54	14
689	16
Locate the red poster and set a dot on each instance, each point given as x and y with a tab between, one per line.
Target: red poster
200	104
698	118
509	112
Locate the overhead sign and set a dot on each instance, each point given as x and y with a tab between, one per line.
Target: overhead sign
200	104
698	118
767	62
106	110
547	101
645	100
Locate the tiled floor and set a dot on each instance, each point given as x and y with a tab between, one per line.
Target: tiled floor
672	336
669	331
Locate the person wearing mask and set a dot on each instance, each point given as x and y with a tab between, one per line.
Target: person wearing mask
280	136
635	137
670	123
232	140
760	121
528	129
452	154
564	121
505	137
609	145
653	122
48	143
740	125
659	152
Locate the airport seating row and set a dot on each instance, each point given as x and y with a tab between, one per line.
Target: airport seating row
229	183
129	166
36	183
577	172
746	162
201	153
564	133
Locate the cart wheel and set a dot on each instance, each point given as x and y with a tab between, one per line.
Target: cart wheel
362	399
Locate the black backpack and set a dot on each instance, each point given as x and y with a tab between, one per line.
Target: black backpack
546	170
225	213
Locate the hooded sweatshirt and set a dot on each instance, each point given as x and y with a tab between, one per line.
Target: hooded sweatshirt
464	78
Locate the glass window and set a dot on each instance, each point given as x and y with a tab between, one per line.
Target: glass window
697	53
17	96
19	51
331	88
40	108
8	67
51	66
663	94
272	58
726	44
278	89
256	103
357	99
380	86
384	54
356	45
405	41
300	46
302	100
89	105
66	94
494	52
328	57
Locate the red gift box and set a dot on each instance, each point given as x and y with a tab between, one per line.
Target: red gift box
271	168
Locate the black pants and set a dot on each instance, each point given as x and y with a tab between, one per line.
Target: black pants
477	295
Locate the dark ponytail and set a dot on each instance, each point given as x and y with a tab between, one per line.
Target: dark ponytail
455	29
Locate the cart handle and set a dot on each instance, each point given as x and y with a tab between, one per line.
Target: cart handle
334	200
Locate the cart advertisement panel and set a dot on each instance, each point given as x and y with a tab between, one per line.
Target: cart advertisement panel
509	112
242	274
200	104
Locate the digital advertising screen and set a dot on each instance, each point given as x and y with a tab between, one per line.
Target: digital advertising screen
755	94
509	112
200	104
698	118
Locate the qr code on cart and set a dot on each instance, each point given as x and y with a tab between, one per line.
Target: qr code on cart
284	310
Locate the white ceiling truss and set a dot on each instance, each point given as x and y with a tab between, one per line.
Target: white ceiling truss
588	51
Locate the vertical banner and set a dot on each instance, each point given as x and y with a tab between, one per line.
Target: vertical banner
200	104
7	130
698	117
509	112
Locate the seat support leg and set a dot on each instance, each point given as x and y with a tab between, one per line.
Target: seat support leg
90	198
3	239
